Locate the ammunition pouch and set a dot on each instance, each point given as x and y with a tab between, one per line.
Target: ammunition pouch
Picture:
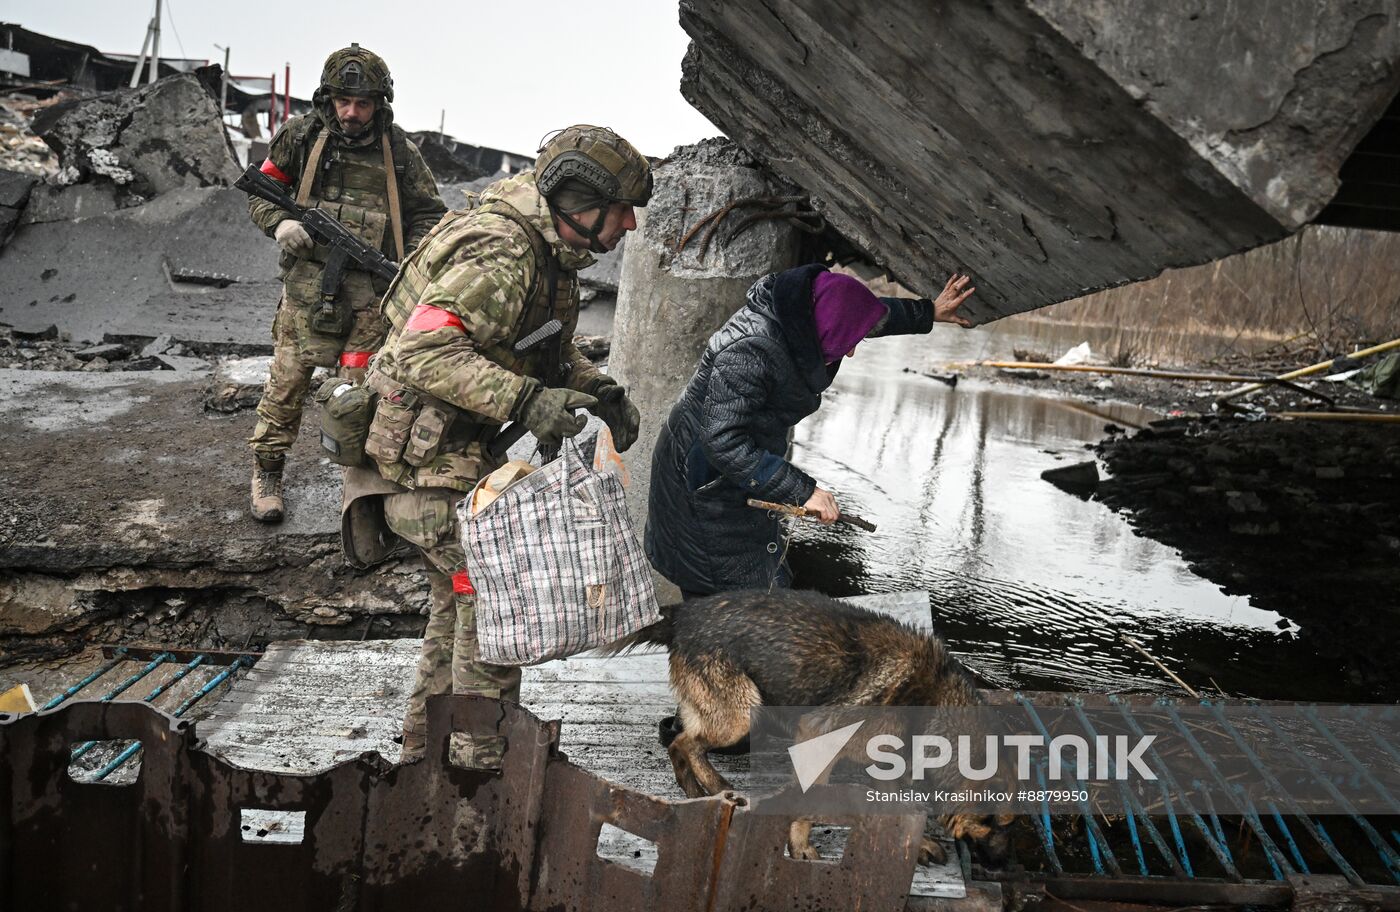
413	428
393	421
346	413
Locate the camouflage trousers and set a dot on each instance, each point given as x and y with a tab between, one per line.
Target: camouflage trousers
295	357
448	662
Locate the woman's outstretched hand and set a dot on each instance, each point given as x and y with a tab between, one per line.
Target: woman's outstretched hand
822	505
945	308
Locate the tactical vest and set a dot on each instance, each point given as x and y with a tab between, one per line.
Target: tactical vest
460	456
349	182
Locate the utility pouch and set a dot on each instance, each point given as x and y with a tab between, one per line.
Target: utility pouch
393	420
332	318
346	410
425	441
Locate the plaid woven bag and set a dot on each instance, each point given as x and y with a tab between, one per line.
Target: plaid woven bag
556	565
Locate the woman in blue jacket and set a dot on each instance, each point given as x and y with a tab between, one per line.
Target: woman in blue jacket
762	373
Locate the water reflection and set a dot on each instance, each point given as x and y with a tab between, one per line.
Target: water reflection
1031	585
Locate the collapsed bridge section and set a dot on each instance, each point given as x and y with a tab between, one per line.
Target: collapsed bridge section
1052	147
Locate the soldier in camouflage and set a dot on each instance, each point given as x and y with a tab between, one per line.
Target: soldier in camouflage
349	158
449	377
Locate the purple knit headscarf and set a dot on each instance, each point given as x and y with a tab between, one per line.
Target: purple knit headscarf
845	311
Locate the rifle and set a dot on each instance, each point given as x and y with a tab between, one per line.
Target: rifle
326	230
553	331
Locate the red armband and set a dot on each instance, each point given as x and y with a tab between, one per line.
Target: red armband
462	584
426	318
354	359
275	172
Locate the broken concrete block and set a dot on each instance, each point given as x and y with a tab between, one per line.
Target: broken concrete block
112	351
182	363
61	204
237	384
15	187
15	190
147	140
1080	479
1051	147
157	346
48	332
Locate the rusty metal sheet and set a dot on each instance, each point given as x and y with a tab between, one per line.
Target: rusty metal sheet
873	873
369	835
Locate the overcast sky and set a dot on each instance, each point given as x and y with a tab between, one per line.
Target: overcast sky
506	73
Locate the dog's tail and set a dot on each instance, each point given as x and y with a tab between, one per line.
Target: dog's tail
658	634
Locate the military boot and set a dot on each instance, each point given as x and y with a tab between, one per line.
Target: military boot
267	503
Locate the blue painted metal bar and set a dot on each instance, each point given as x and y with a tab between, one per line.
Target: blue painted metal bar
1217	846
130	682
1099	850
1243	801
1214	817
117	659
1310	714
1176	828
1388	856
1307	822
1133	806
1385	746
134	749
240	662
1288	838
177	677
1042	821
1277	860
118	691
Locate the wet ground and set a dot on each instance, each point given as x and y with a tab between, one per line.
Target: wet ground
1033	587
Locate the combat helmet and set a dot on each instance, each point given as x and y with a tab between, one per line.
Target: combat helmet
355	71
585	167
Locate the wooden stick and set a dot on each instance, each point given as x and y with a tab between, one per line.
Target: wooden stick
1130	371
1379	417
1169	673
1312	369
849	519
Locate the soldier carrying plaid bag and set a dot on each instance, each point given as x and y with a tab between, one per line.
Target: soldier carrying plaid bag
449	377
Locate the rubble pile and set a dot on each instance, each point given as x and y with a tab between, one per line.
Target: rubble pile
1251	504
47	350
21	149
150	140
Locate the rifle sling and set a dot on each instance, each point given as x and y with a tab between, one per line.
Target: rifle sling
308	174
391	179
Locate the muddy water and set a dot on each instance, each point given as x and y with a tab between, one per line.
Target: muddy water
1032	586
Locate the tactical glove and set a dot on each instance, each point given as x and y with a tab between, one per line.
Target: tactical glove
292	237
548	412
617	410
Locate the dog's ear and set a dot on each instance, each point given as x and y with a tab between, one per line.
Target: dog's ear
1005	819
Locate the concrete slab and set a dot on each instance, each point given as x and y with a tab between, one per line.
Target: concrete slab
1051	147
111	273
122	481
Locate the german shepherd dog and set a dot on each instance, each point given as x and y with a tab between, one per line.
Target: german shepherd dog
737	650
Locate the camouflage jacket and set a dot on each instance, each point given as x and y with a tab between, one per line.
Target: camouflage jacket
418	194
455	310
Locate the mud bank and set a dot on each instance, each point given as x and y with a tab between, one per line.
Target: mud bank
1301	517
